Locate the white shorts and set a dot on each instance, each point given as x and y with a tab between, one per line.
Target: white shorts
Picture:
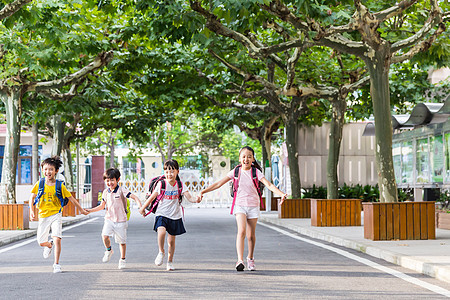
118	229
252	212
54	222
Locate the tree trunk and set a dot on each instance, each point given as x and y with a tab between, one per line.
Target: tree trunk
264	149
335	139
291	143
68	170
379	91
12	98
58	135
35	152
112	153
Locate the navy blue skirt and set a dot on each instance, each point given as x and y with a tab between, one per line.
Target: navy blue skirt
173	227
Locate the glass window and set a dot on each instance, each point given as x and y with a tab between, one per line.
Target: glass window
437	158
23	170
447	156
25	150
422	161
407	163
397	157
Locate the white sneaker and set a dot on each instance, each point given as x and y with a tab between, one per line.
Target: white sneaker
170	266
57	268
122	263
107	255
47	251
159	259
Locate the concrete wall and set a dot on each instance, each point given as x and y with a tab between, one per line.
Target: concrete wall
356	160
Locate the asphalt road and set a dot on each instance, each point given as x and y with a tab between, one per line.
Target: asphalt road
288	266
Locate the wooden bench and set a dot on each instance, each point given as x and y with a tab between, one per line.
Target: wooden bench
14	216
399	221
335	212
294	208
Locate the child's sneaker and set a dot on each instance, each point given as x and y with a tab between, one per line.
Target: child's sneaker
251	264
122	263
47	251
240	266
170	266
107	255
159	259
57	268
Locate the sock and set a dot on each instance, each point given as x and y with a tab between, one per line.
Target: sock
108	249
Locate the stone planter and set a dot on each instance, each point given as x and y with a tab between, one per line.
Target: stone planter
14	216
399	221
335	212
294	208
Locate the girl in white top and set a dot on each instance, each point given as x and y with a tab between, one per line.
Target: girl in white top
247	202
168	215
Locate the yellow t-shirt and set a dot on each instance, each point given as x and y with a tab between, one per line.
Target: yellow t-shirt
49	203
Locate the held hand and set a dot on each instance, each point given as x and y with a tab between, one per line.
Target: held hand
199	199
142	210
283	198
85	212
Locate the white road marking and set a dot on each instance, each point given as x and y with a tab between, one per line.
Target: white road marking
423	284
31	240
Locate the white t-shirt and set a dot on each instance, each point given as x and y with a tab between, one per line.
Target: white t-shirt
115	210
247	195
169	205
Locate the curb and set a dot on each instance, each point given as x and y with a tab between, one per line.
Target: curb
24	234
410	262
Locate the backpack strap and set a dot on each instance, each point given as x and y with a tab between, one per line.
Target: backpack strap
40	191
180	190
236	177
58	188
256	184
123	198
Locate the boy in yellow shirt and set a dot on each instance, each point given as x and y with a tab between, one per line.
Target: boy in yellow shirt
45	195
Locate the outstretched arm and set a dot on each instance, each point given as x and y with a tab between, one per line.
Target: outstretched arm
215	185
190	198
97	208
31	205
147	202
274	189
136	198
75	202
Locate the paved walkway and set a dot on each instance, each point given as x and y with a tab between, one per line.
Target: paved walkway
430	257
11	236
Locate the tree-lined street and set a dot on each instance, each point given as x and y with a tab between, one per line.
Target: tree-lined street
204	261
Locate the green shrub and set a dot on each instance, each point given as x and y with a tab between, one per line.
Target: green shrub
315	193
405	194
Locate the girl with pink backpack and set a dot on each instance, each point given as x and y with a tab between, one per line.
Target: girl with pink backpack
246	202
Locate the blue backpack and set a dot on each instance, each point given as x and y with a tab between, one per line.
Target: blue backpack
58	188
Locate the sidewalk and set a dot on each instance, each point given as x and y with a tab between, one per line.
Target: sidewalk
10	236
430	257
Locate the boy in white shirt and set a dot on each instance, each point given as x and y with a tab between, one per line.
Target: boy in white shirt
116	221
